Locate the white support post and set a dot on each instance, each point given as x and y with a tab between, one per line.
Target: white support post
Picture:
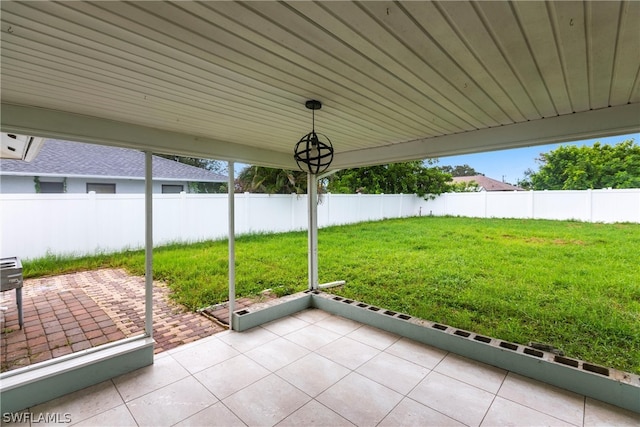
232	243
312	199
148	244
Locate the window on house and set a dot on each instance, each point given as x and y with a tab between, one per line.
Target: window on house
172	188
51	187
101	188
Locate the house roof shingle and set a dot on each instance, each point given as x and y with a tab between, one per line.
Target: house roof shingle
488	184
75	159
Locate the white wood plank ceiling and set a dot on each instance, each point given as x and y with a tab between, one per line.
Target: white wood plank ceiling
398	80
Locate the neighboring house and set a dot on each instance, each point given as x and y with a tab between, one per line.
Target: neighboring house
486	184
74	167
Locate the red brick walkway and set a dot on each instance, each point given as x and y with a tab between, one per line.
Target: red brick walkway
220	312
73	312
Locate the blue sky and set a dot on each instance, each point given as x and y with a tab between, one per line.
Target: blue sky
511	164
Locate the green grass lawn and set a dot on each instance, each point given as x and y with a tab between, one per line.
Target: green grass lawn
573	285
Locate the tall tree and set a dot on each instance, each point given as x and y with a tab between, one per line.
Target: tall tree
464	187
258	179
408	177
459	170
208	187
578	168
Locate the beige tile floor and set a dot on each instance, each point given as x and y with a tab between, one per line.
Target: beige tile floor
314	368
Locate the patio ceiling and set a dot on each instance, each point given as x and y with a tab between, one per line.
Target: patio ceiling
398	80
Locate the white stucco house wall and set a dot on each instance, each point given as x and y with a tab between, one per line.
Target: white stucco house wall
74	167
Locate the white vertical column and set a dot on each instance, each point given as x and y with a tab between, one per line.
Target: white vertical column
148	244
232	243
312	200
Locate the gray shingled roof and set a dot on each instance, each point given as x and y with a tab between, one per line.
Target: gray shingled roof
65	158
489	184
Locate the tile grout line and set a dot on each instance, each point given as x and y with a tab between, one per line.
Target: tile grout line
538	410
486	412
124	402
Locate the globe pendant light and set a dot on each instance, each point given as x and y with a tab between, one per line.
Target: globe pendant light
312	154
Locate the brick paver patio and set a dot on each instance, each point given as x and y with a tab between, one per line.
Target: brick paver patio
73	312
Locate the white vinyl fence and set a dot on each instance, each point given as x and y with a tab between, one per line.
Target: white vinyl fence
582	205
33	225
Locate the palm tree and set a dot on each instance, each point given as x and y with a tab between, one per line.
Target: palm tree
258	179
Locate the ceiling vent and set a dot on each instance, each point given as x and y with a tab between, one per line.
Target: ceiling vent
20	147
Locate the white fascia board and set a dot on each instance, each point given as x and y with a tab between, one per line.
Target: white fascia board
47	123
601	123
618	120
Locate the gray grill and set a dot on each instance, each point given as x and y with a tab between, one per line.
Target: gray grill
11	278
